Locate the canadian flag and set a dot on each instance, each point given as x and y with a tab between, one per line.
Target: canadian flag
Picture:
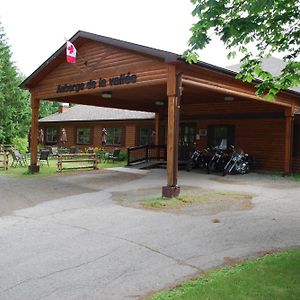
71	53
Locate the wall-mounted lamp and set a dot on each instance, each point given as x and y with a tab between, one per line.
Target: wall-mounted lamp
228	98
106	95
159	103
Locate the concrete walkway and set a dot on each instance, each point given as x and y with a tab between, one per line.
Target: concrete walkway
73	241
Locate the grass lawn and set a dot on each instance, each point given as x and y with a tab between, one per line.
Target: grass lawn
52	169
274	276
183	200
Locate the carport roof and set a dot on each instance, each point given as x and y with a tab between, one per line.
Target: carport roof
77	38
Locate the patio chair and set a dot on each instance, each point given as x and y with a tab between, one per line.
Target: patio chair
112	156
54	151
18	159
44	155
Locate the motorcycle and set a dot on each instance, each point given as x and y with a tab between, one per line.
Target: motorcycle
199	159
238	162
217	162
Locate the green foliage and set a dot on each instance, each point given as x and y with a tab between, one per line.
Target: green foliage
123	156
14	102
48	108
15	110
274	276
20	143
270	26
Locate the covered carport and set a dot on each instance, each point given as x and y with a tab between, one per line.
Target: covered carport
118	74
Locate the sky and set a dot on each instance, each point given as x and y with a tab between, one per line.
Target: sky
36	29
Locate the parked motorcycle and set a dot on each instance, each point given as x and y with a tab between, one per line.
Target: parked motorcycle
217	161
199	159
238	162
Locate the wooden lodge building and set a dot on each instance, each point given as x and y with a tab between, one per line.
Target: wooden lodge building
201	101
84	126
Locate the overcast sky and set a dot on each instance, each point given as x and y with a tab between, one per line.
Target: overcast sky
36	28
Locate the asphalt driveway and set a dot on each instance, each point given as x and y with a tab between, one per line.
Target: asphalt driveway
68	237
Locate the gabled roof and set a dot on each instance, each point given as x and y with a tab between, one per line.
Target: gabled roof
77	38
92	113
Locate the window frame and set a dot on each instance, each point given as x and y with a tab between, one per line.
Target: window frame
211	134
55	136
148	127
84	142
108	129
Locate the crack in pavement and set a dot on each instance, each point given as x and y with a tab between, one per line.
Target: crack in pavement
59	271
178	261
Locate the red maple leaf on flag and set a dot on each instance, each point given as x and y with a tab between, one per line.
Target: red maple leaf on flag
71	49
71	53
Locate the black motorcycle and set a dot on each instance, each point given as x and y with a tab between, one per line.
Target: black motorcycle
217	161
238	162
199	159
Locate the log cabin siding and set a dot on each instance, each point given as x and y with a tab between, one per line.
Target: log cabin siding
102	62
131	131
128	139
262	139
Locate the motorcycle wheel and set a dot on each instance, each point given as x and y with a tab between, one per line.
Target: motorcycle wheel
226	170
189	166
211	167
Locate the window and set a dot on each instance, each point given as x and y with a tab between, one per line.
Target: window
83	136
220	136
187	134
146	136
51	135
114	135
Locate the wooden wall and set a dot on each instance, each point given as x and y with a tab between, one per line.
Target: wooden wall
103	61
261	138
129	132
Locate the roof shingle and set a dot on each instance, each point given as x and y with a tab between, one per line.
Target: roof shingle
93	113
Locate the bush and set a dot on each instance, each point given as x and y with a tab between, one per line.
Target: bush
20	143
123	156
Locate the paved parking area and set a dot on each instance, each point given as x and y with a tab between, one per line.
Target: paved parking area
67	237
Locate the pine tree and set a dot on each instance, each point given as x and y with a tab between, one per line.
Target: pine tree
14	102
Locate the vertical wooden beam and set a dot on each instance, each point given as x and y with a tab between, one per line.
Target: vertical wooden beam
288	141
173	93
35	105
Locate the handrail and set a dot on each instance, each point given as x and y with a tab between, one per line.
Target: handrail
146	153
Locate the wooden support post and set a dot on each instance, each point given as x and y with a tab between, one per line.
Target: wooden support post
174	93
288	161
35	105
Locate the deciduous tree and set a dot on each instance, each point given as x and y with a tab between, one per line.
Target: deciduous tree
270	26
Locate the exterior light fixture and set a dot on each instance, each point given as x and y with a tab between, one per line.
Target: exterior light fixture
228	98
159	103
106	95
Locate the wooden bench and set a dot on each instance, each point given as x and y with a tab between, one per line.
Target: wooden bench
77	161
3	161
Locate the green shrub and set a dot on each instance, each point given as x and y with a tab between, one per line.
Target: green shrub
20	143
123	156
